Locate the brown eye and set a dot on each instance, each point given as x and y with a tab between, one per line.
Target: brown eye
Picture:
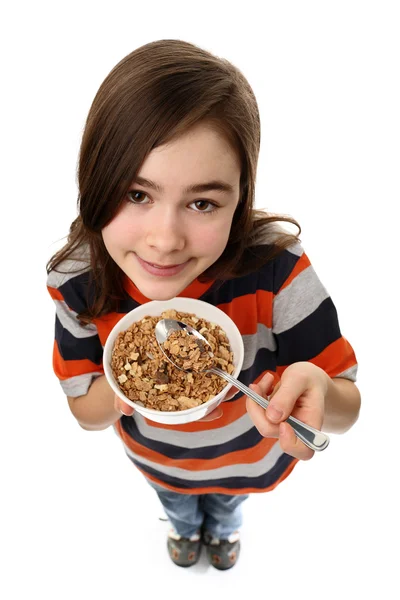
204	206
136	197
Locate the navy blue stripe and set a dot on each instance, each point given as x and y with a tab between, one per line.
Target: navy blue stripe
126	305
77	292
261	482
282	267
226	291
72	348
310	337
247	440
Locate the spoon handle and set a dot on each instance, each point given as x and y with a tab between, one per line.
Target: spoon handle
313	438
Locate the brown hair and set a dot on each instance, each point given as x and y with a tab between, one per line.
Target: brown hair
153	95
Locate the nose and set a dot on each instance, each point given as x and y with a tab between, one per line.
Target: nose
165	232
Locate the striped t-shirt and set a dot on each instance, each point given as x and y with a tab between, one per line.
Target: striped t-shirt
284	315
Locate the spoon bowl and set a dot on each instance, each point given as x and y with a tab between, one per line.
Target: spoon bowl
166	326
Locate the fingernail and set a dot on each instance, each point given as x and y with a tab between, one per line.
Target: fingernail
274	414
122	413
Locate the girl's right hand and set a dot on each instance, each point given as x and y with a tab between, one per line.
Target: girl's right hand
122	407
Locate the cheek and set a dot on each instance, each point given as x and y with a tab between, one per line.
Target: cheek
120	231
211	239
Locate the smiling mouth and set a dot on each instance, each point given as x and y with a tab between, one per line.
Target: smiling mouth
163	266
162	270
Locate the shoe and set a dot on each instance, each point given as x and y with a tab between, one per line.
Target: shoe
222	554
184	552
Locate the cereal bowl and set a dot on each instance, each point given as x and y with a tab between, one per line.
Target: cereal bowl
202	310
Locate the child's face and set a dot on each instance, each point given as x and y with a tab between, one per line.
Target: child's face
184	232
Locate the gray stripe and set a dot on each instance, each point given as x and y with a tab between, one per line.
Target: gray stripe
296	249
298	300
264	338
77	264
69	321
195	439
79	385
237	470
349	373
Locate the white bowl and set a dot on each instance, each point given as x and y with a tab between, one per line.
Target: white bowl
154	309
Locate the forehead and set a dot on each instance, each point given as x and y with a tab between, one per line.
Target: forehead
201	152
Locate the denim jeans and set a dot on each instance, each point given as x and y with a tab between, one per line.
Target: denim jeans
219	514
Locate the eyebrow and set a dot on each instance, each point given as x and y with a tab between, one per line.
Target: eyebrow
215	185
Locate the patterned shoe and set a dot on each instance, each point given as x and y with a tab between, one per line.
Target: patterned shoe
222	554
184	552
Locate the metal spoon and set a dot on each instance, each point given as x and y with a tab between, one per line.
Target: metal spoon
314	439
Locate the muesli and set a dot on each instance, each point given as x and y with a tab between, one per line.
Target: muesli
188	352
145	376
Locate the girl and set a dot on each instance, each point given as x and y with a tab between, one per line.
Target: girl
167	173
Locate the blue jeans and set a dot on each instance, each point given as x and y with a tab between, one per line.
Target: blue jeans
219	514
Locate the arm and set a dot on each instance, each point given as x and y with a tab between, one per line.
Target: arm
99	408
342	405
77	356
95	410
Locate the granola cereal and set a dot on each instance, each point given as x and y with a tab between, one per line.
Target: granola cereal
146	377
188	352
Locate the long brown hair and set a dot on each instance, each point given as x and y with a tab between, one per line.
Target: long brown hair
153	95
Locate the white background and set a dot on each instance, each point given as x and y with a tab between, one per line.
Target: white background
78	521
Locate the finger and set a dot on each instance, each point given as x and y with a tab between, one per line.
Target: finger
265	385
274	390
291	444
123	407
285	397
231	393
258	416
215	414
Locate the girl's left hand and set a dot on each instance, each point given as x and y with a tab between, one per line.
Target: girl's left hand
300	393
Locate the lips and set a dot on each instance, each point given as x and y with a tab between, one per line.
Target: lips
162	266
161	270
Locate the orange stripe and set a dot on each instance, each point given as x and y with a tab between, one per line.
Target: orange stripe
55	293
334	359
105	324
302	264
243	311
222	490
71	368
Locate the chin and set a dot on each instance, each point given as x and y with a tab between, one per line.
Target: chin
158	293
161	296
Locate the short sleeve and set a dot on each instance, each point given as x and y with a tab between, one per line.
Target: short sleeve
305	322
77	351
